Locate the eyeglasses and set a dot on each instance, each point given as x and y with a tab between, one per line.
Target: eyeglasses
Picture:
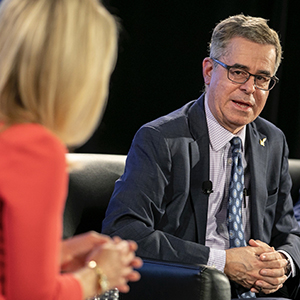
238	75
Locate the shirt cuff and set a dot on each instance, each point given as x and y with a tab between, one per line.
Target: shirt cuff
217	259
293	267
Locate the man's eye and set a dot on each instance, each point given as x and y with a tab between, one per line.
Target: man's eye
262	78
240	73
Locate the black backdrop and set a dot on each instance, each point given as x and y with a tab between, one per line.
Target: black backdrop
161	47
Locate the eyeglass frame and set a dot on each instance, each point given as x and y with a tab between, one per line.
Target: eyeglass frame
227	67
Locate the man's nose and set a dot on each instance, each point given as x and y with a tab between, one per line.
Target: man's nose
249	85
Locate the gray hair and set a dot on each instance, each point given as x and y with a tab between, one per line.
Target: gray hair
251	28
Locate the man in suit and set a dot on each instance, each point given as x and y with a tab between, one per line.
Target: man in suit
173	196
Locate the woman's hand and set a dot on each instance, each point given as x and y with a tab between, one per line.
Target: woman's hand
115	257
117	260
75	250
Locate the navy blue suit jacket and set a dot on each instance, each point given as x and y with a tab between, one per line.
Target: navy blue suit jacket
159	202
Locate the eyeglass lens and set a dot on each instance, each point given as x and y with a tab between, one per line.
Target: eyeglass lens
241	76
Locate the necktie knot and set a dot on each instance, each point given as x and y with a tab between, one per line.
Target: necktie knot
236	144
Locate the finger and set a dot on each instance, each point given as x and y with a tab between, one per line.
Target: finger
128	258
80	245
126	271
260	249
254	243
133	245
270	282
123	245
261	243
123	288
133	276
270	290
273	264
136	263
116	239
274	255
85	241
275	273
255	290
258	243
94	237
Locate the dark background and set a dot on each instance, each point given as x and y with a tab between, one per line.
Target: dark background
159	69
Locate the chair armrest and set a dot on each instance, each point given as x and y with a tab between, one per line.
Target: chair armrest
172	281
294	169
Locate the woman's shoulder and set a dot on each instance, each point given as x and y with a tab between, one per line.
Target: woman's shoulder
29	133
30	139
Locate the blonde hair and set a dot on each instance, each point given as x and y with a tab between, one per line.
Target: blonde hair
56	58
254	29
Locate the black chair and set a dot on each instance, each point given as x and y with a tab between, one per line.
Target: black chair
294	169
165	281
92	180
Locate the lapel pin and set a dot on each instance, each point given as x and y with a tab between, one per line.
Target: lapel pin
262	142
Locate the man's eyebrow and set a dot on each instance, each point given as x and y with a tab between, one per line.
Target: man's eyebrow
239	66
243	67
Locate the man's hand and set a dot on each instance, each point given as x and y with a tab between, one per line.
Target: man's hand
256	267
243	264
273	272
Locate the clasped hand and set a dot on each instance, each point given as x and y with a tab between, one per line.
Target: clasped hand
257	267
115	257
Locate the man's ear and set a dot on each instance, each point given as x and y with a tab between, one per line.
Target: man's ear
207	67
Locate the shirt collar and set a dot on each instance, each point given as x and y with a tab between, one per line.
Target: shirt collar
218	135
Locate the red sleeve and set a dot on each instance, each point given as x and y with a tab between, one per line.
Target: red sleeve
33	187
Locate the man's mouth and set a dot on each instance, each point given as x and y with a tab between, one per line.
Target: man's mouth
242	104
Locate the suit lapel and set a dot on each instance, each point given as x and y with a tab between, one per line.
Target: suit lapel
199	163
257	147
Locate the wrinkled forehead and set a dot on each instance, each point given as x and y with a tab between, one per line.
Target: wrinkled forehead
250	54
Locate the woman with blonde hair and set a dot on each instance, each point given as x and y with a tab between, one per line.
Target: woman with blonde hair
56	58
